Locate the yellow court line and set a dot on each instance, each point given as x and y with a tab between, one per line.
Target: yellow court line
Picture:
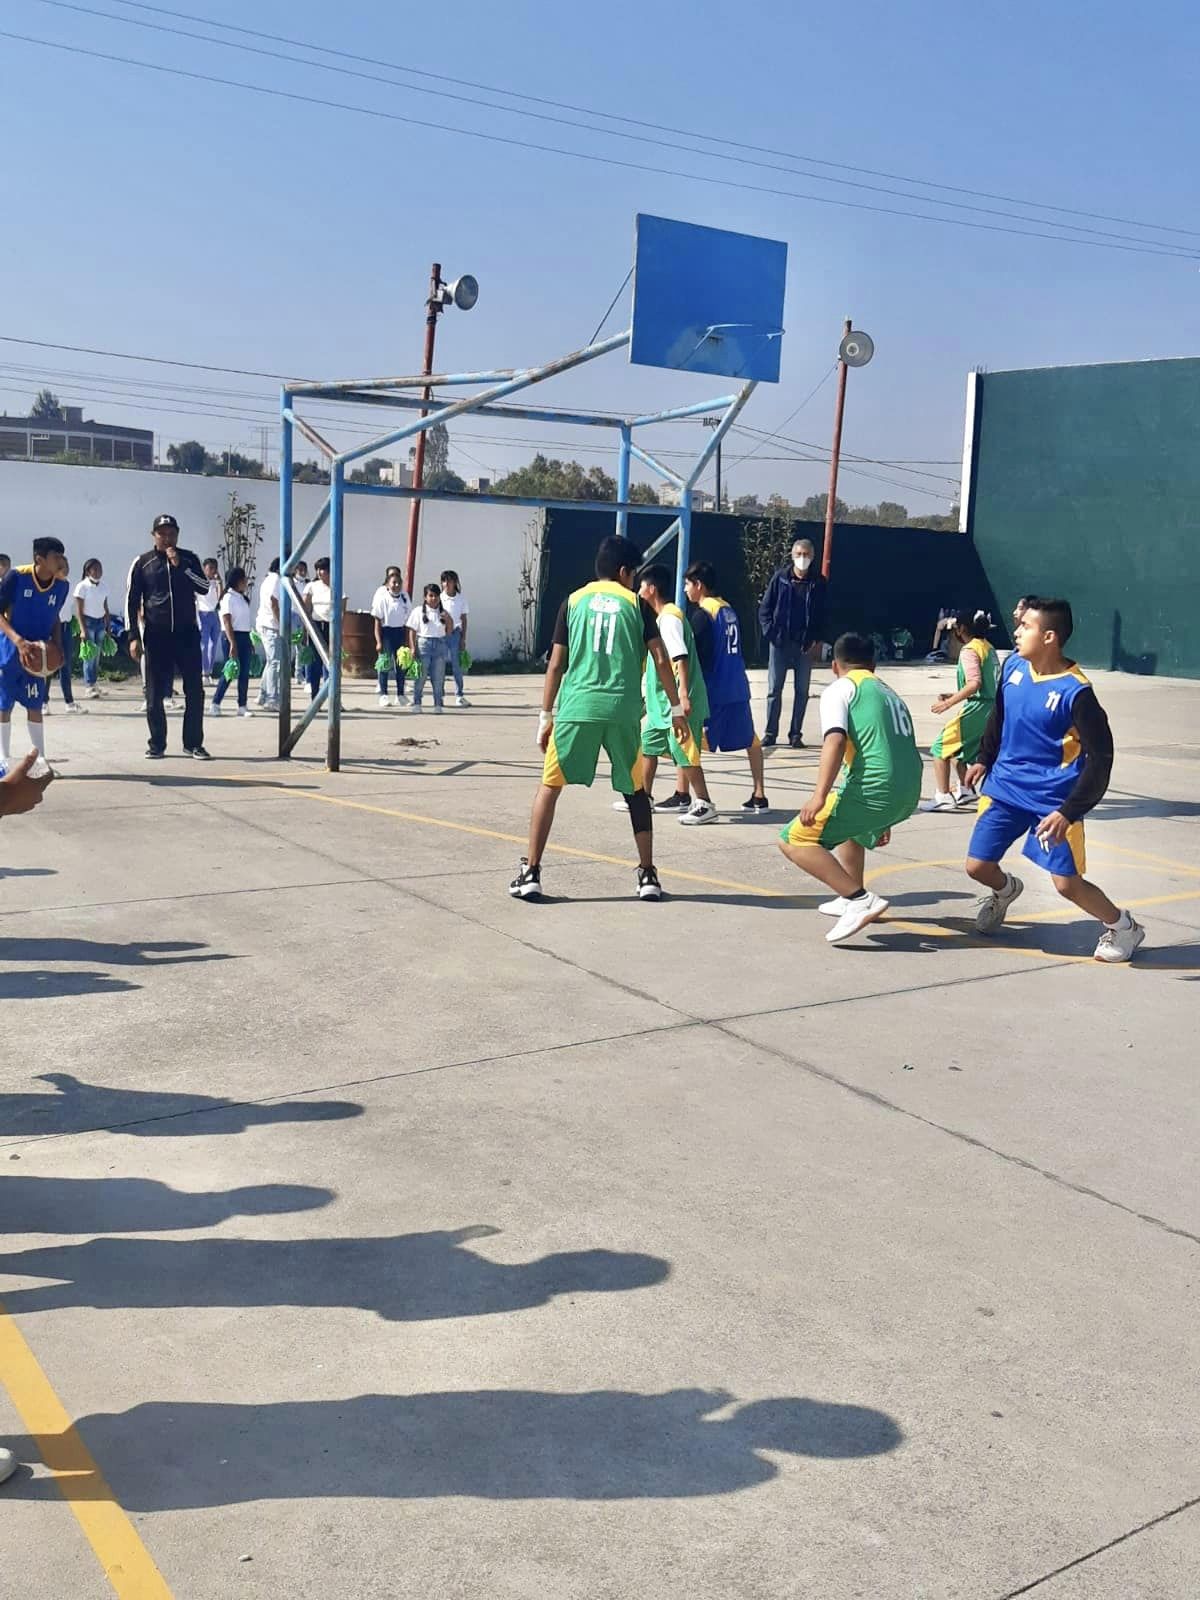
1141	855
1132	905
126	1561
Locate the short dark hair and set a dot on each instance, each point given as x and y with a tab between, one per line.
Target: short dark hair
48	547
659	574
974	620
92	561
274	567
450	573
1056	616
614	553
703	572
4	556
321	564
210	561
233	577
854	650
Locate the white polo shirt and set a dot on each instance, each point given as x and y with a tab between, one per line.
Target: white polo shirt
456	605
236	607
94	596
391	609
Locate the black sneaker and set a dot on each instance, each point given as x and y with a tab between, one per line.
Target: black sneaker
795	742
527	885
649	887
674	802
198	754
768	740
756	802
154	755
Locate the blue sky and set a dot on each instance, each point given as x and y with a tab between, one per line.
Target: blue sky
153	214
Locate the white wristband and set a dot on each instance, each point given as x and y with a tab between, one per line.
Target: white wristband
545	720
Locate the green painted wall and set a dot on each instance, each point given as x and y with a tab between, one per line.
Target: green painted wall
1086	483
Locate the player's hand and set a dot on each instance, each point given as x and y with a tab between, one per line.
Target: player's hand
30	655
939	705
545	729
1052	829
885	838
685	703
810	810
135	647
172	554
975	774
679	723
18	791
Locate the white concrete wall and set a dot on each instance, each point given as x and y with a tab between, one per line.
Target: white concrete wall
104	512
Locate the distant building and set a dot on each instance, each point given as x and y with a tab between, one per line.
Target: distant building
479	485
398	475
34	438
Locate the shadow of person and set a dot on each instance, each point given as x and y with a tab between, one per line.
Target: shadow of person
137	953
506	1444
28	872
47	984
139	1205
151	1113
415	1277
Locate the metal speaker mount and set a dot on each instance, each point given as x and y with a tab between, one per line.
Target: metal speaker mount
464	292
857	348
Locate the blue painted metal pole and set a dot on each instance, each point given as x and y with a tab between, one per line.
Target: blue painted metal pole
337	506
285	550
719	432
685	547
413	402
680	412
461	497
648	460
623	480
663	540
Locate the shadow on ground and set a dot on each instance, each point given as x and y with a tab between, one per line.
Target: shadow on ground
38	984
151	1113
139	1205
414	1277
509	1444
137	953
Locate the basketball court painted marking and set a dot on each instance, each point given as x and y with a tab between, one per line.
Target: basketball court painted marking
126	1562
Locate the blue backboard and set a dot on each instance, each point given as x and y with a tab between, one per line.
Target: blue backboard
705	300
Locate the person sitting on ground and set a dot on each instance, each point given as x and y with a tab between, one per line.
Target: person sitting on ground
656	586
1045	762
730	724
971	702
869	780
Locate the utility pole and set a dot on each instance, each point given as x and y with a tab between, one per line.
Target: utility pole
715	422
433	308
855	350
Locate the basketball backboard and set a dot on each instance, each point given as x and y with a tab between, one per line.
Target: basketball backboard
705	300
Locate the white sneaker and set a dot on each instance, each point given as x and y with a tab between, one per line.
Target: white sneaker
417	707
214	710
171	705
76	709
383	702
142	706
940	802
620	803
702	811
991	911
1119	944
245	711
965	798
91	693
834	908
437	711
462	702
857	915
8	1464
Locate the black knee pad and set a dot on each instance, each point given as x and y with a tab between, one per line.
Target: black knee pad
639	811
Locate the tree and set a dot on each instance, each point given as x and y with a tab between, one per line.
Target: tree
943	524
372	471
311	472
437	451
813	509
747	505
46	407
644	494
866	515
190	456
547	479
443	478
232	464
241	535
891	514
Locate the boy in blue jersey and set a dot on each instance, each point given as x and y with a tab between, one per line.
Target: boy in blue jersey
1045	761
30	601
730	723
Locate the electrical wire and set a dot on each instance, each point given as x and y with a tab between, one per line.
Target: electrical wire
812	393
293	96
656	127
612	133
611	304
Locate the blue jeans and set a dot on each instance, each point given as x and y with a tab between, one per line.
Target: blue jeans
94	632
393	640
210	642
455	644
784	658
433	655
316	669
268	684
244	651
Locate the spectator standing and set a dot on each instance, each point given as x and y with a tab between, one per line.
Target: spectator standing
791	616
454	601
267	624
210	623
429	628
318	602
300	584
390	607
164	585
66	617
235	614
91	612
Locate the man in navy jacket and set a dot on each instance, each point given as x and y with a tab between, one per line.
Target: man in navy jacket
791	615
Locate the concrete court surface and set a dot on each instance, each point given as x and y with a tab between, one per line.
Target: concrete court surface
370	1234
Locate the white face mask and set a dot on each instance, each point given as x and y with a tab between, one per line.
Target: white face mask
802	563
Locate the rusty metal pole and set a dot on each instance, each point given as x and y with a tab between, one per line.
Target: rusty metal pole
839	412
433	307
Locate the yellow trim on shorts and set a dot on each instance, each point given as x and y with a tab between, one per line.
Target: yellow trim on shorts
951	736
1078	848
552	773
801	833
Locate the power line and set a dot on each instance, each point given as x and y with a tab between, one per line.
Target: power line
848	455
611	304
656	127
815	390
612	133
1172	251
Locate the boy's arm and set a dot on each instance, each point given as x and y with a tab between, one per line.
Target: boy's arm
662	665
551	684
1096	741
190	562
833	755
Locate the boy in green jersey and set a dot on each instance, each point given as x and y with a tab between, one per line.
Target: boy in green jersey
867	738
601	639
971	702
658	736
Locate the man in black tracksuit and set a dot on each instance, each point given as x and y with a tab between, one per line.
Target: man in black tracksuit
163	585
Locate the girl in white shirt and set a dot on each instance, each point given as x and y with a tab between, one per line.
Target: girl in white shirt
455	602
390	607
210	622
237	621
318	602
91	610
429	627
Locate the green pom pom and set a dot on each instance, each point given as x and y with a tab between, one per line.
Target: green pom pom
404	658
256	641
88	651
307	655
108	645
298	635
413	670
230	670
464	660
383	662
